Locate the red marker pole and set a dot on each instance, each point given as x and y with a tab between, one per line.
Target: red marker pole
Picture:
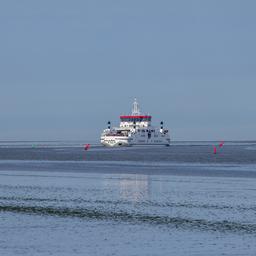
87	146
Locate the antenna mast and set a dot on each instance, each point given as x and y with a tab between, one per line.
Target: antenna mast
135	108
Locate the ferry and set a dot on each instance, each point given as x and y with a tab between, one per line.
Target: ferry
135	129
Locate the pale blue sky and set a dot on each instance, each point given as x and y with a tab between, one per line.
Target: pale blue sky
67	67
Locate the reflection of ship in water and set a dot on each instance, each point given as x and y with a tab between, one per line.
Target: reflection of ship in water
135	189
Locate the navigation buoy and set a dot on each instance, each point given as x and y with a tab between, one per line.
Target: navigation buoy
221	144
87	146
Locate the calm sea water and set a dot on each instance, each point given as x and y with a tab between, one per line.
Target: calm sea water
57	199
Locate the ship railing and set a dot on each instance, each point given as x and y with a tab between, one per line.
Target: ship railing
117	134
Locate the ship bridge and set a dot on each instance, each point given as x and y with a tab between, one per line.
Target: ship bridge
136	119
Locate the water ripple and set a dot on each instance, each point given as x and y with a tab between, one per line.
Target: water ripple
94	213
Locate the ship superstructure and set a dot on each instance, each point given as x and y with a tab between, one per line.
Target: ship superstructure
135	129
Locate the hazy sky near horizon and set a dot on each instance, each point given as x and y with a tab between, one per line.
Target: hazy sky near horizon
67	67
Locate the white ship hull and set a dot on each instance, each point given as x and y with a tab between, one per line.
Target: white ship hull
135	139
114	142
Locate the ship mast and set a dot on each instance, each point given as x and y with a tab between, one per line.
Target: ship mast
135	108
